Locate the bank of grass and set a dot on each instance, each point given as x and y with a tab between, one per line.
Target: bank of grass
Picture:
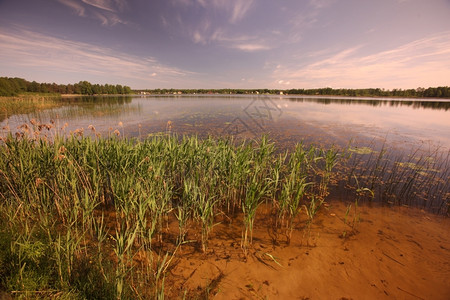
75	212
26	103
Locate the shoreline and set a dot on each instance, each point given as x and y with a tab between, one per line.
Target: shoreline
298	96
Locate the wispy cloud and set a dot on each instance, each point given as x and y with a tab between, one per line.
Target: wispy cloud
239	9
424	62
216	16
319	4
34	50
250	47
107	5
76	6
105	11
335	59
246	43
201	34
304	18
235	10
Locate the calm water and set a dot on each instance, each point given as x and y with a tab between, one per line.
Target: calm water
415	133
286	119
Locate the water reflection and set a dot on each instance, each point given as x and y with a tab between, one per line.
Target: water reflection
398	147
418	103
287	120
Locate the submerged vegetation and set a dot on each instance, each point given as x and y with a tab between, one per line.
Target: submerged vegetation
26	104
77	212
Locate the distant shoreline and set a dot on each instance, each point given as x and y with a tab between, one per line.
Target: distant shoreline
396	98
299	96
343	97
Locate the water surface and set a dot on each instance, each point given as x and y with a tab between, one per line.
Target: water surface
414	169
286	119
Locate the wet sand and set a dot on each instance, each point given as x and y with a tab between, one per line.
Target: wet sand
391	253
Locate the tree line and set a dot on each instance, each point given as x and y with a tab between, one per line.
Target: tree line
15	86
437	92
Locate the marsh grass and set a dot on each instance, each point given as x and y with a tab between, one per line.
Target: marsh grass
416	178
27	103
88	217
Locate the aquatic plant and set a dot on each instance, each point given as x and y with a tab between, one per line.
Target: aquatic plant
89	216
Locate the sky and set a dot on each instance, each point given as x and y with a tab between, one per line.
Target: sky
277	44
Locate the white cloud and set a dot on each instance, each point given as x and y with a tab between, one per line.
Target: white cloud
105	11
204	34
303	19
102	4
235	10
424	62
203	30
282	82
239	9
250	47
246	43
75	6
29	49
201	34
319	4
336	58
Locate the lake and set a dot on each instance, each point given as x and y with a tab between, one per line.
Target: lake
399	123
88	195
399	147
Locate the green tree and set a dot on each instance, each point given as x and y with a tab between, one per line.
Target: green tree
85	88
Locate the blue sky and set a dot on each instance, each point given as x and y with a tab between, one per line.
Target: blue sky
228	43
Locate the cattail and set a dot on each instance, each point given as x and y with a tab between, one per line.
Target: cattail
79	131
24	127
38	181
60	157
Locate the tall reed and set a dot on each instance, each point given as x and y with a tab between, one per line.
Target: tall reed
67	200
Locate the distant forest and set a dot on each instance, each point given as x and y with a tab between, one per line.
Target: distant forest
16	86
437	92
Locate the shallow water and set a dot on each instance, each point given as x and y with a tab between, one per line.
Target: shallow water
402	123
399	147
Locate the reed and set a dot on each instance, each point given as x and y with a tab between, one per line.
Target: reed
66	200
255	190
